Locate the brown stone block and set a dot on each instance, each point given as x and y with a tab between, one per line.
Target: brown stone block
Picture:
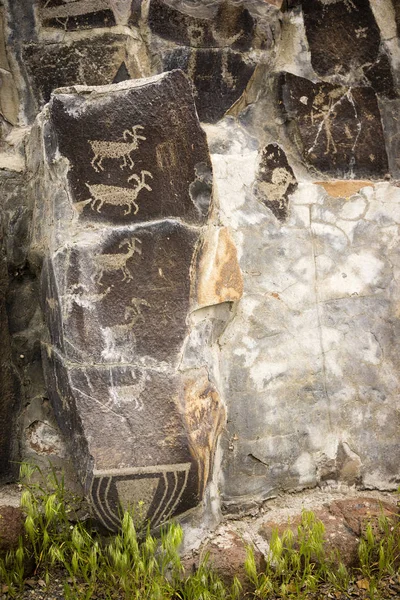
220	278
340	34
337	129
223	25
88	61
131	161
219	76
82	14
124	429
125	298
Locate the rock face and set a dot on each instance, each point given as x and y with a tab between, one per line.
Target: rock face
308	343
338	129
135	179
218	316
276	181
8	400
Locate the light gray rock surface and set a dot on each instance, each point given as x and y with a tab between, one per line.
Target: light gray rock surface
260	335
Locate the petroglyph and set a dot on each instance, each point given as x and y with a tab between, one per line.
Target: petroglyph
107	263
103	149
172	481
79	294
223	40
70	8
166	154
118	196
120	339
275	191
129	394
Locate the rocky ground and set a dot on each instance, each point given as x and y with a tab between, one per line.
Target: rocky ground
344	512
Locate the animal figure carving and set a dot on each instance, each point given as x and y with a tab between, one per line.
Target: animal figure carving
118	196
79	294
103	149
120	339
107	263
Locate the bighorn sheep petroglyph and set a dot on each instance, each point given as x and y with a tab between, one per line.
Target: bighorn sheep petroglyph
118	196
106	263
104	149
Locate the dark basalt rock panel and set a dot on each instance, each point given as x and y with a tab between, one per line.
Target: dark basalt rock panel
380	77
92	61
342	35
128	438
65	409
275	181
116	298
219	78
131	161
337	129
231	25
8	404
125	298
75	15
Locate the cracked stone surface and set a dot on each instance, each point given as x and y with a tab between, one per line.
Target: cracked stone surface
320	318
93	62
227	25
337	129
117	290
235	317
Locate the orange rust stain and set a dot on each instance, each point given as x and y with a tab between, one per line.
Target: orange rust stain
343	188
220	278
204	416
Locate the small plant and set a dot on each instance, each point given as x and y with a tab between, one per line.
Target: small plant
135	564
294	565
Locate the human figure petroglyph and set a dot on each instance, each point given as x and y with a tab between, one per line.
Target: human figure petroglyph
224	40
122	149
326	112
107	263
120	338
118	196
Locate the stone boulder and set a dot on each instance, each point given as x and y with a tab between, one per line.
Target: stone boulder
127	182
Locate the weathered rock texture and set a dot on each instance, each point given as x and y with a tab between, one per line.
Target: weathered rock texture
226	350
126	177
